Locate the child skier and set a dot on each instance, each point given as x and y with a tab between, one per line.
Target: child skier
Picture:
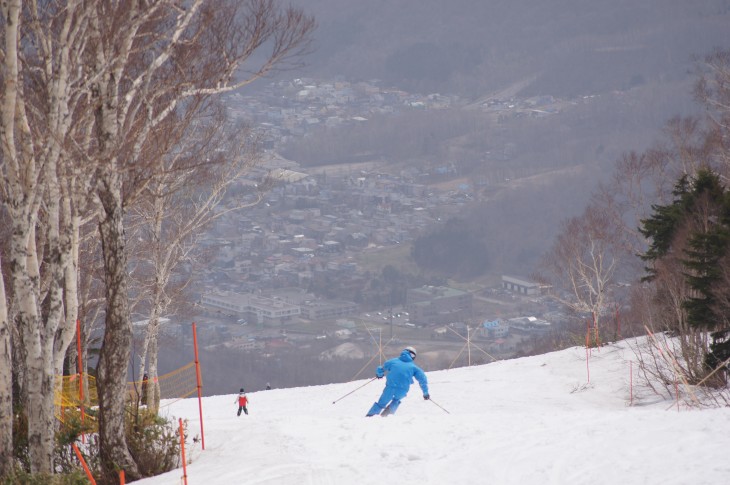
401	372
242	402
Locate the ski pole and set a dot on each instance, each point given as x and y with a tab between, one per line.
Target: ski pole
437	404
343	397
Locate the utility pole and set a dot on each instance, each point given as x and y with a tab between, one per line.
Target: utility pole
391	319
468	342
380	345
390	312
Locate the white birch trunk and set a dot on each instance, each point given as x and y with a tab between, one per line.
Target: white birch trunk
153	389
116	346
6	385
67	328
11	14
149	346
31	154
38	379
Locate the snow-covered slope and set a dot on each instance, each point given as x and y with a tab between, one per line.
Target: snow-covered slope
535	420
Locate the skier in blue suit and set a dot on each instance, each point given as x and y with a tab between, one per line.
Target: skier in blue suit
401	371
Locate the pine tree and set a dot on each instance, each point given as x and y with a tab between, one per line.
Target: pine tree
662	226
701	208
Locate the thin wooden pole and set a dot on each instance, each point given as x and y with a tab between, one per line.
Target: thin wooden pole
200	386
588	350
182	451
380	345
79	361
468	343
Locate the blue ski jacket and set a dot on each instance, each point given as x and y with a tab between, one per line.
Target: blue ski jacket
401	371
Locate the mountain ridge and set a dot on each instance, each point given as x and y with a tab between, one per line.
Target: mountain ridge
473	47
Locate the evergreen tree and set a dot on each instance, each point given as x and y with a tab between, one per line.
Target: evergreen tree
701	208
663	225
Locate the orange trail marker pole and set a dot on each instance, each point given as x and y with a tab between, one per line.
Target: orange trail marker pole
200	386
83	463
80	363
182	450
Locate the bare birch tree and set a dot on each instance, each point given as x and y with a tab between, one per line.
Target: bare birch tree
153	62
646	180
581	265
713	91
6	384
37	103
178	203
143	64
10	79
10	13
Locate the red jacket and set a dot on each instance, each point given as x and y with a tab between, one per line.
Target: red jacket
242	400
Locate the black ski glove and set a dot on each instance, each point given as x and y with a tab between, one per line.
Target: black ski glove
426	397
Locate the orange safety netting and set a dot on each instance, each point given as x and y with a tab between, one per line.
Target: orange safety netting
175	385
67	395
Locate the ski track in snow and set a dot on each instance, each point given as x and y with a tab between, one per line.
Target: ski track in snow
534	420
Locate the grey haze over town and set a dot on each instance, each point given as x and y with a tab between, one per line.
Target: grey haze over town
423	157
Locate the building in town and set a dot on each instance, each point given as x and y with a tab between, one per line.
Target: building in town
520	285
438	304
255	309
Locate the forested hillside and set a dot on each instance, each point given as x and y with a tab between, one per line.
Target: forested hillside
613	72
473	47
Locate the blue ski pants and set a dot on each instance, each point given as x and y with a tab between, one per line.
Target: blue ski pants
391	398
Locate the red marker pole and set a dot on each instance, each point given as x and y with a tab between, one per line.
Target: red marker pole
83	463
182	451
200	386
79	361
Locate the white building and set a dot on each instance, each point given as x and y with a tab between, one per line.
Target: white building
520	285
259	309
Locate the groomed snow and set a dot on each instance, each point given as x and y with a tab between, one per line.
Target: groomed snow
534	420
